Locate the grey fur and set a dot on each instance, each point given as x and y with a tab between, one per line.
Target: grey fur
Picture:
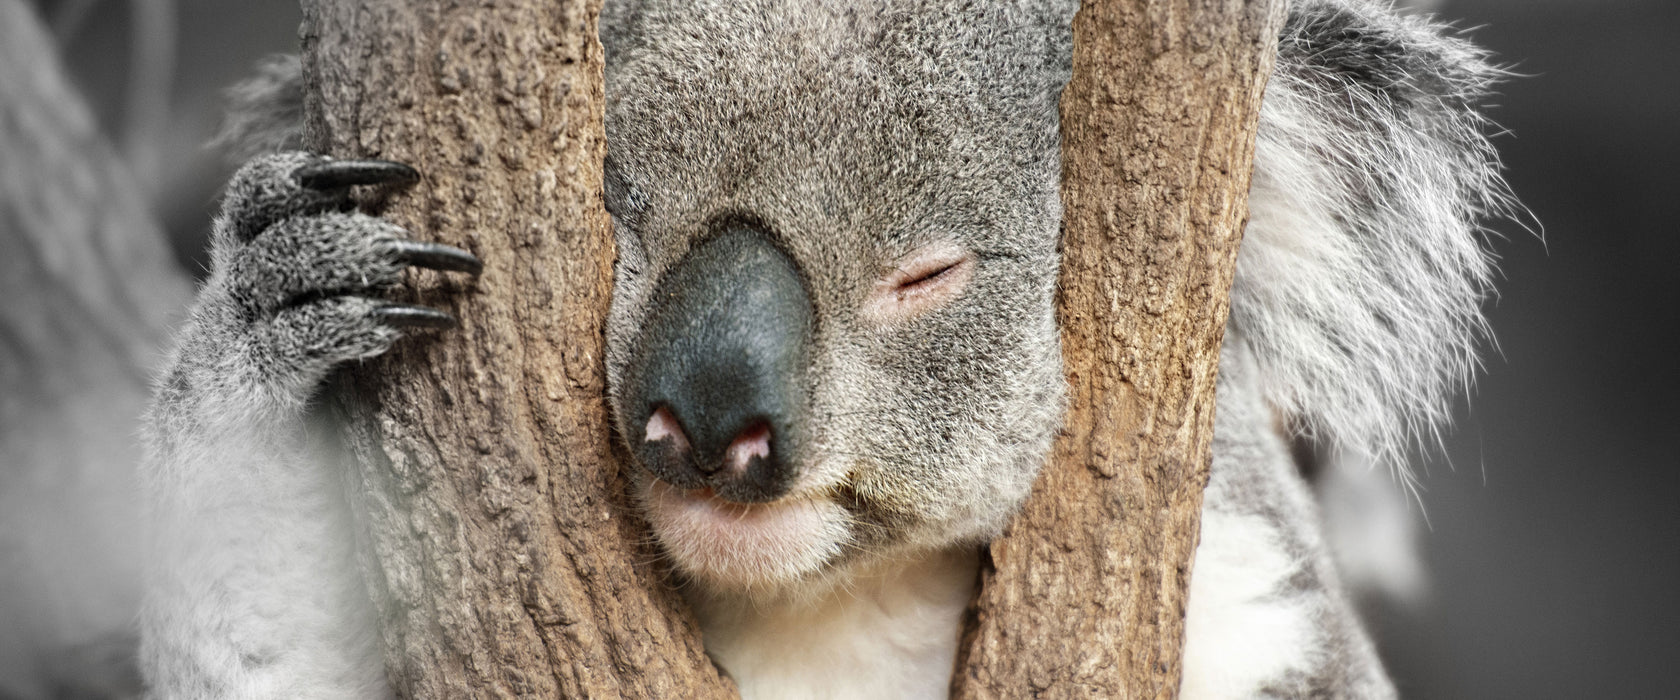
1255	481
1361	280
265	111
854	134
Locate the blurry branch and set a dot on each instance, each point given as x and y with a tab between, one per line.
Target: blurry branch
151	77
87	289
1084	594
67	23
499	557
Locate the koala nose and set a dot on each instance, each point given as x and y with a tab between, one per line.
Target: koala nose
719	379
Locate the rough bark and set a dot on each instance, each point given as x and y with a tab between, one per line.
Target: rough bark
1084	595
87	291
503	559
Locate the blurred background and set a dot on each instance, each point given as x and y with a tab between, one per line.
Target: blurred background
1554	511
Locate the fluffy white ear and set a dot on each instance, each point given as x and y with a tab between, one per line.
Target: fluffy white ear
1362	271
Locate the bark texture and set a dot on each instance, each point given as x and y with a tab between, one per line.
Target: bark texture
1084	594
503	560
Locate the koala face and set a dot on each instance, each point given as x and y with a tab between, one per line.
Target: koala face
832	337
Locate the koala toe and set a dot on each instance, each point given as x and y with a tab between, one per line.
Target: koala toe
333	254
279	186
265	192
305	342
300	272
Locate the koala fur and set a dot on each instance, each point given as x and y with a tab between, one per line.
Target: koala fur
904	162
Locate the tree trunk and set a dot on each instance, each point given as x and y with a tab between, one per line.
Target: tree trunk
503	563
1084	595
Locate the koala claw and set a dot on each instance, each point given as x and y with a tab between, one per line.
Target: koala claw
338	174
406	316
436	256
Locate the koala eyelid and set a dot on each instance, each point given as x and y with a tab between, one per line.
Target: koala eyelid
928	277
931	278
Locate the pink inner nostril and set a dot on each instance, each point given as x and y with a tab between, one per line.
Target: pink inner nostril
752	442
662	426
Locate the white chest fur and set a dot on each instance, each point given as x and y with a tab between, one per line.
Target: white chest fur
886	635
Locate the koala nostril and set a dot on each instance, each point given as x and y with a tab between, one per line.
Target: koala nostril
754	442
663	426
667	444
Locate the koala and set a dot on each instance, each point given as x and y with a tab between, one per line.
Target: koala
832	350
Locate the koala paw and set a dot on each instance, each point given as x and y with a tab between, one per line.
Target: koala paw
297	271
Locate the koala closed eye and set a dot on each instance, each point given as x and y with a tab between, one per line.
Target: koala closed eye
927	279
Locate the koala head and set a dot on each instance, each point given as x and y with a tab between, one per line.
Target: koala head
832	339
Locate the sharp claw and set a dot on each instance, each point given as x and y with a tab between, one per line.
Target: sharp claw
405	316
336	174
437	256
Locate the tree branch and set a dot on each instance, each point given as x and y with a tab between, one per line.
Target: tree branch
1085	592
504	560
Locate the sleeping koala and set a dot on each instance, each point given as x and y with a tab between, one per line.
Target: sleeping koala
832	348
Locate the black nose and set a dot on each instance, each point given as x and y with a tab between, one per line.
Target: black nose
717	390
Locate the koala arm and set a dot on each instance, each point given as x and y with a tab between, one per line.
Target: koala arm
251	586
1267	616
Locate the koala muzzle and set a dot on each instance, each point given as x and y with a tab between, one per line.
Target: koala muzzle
717	391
